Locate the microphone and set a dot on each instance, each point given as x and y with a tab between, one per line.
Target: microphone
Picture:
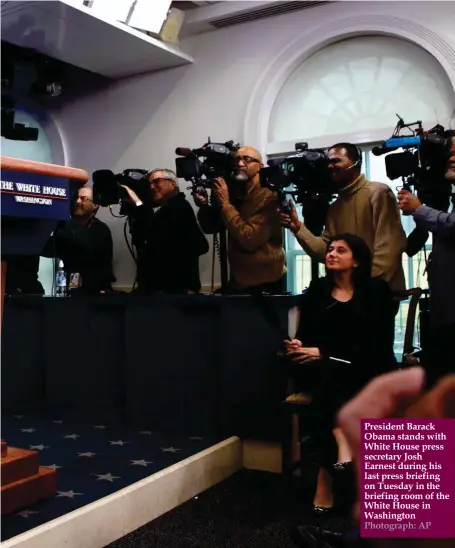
382	149
394	143
182	151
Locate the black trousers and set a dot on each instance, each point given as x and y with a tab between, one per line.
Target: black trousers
439	356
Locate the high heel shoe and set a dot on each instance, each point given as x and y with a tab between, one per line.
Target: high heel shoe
322	511
343	466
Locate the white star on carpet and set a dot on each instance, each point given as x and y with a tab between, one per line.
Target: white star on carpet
69	494
99	426
29	430
118	442
106	477
196	438
53	466
141	462
71	436
27	513
58	422
145	432
88	454
17	417
40	447
170	449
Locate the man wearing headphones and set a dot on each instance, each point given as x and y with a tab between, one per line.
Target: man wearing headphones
363	208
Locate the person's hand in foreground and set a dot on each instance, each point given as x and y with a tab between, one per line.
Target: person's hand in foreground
398	394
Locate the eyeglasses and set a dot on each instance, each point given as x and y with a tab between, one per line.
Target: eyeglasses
245	159
160	180
84	199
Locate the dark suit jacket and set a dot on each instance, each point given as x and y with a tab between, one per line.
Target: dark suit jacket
364	338
169	243
86	249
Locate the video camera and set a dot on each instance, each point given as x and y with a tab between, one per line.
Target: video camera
422	164
217	162
107	189
304	176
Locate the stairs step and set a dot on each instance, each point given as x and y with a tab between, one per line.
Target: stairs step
18	464
25	492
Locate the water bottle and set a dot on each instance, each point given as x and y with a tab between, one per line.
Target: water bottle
60	281
75	281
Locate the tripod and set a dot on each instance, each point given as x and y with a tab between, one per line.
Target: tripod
220	246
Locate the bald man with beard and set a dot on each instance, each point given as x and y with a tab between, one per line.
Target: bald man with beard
249	214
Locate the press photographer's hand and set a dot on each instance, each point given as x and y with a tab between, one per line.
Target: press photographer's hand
201	198
290	220
408	202
221	191
132	196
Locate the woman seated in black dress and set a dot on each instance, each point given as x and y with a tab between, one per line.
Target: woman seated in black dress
343	340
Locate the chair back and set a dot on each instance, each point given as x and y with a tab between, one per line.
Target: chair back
414	294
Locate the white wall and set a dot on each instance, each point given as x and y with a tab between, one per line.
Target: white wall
140	121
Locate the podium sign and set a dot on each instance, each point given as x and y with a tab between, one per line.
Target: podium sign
34	195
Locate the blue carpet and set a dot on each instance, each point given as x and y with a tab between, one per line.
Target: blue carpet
92	460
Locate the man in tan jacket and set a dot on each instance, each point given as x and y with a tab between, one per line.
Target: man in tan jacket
364	208
249	214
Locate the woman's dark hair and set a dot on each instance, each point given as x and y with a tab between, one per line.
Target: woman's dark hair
361	254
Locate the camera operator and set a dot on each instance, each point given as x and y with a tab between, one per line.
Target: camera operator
84	243
441	275
249	214
363	208
167	237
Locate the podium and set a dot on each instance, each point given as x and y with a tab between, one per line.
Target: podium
34	197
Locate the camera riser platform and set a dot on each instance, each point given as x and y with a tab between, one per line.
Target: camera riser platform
112	517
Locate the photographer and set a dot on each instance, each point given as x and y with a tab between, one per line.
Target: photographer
363	208
84	243
441	274
249	214
167	237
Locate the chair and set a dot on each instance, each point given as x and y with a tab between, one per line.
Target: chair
408	346
297	409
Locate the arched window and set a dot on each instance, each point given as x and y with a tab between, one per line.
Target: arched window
40	151
351	91
357	86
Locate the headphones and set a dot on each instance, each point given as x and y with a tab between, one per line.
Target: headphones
358	162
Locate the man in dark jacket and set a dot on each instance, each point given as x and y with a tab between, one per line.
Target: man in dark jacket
84	244
167	237
441	275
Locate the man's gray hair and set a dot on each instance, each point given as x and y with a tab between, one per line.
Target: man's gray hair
167	173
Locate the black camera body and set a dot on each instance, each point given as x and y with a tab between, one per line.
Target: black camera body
302	173
107	186
423	162
217	161
304	176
